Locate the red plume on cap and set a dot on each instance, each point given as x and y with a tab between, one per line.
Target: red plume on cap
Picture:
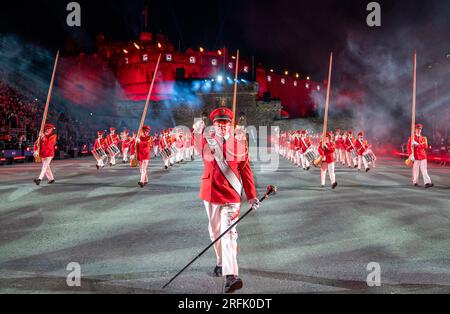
221	114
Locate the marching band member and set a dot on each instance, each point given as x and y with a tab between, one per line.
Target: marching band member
340	151
227	172
156	145
112	140
100	143
165	143
305	145
46	153
144	148
352	161
419	157
179	145
326	150
361	147
126	142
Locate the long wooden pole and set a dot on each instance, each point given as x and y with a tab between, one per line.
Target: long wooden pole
144	114
235	88
327	102
413	123
47	104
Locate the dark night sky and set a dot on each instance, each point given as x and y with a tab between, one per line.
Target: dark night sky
295	35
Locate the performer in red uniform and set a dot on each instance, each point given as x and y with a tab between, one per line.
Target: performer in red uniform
420	157
305	145
156	145
352	156
126	142
144	148
112	146
340	148
326	150
47	153
226	165
99	149
361	147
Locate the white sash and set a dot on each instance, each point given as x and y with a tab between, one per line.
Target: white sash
224	166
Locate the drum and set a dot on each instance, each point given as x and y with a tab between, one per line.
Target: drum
318	162
354	154
113	150
369	156
310	156
174	151
99	154
166	153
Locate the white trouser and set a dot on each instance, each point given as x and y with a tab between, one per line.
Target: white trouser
166	162
323	172
421	165
46	170
100	162
187	153
221	217
112	159
305	161
155	150
350	160
143	167
341	153
125	154
362	160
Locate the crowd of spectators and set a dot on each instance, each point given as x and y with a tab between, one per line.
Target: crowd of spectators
21	118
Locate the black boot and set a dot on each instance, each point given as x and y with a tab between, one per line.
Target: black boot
335	184
429	185
51	182
233	284
368	169
218	271
141	185
37	181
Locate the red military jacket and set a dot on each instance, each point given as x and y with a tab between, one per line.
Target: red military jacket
340	142
100	143
144	148
420	152
215	188
47	148
179	143
349	144
165	142
297	144
361	147
126	143
305	144
112	139
328	152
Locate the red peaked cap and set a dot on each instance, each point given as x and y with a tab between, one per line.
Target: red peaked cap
221	114
419	126
361	134
146	128
49	126
112	129
100	133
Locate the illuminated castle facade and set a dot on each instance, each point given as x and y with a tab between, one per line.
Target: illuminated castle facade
196	80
